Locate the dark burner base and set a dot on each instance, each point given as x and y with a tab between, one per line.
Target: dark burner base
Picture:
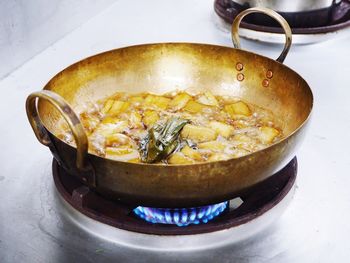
257	201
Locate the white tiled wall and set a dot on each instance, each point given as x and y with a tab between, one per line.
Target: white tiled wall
29	26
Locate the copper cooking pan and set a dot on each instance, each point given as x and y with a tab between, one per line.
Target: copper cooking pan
160	68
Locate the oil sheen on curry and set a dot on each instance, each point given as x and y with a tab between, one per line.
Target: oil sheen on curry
175	128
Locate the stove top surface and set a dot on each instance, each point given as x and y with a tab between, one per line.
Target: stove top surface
35	225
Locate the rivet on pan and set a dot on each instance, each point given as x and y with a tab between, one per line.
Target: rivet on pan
269	74
239	66
265	83
240	76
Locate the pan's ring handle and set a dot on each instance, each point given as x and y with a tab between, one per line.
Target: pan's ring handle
270	13
73	121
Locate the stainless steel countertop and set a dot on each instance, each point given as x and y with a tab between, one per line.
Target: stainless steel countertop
34	226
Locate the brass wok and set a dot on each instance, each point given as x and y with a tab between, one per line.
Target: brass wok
160	68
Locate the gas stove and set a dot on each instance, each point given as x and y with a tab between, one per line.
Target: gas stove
227	215
38	224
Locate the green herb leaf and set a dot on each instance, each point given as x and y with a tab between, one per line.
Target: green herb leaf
162	140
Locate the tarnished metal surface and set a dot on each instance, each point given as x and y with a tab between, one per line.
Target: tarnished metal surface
36	228
160	68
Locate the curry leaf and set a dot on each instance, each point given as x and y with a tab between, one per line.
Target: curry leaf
161	140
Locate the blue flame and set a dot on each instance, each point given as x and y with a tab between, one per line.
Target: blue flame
180	216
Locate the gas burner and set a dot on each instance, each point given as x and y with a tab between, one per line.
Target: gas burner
181	216
307	26
251	205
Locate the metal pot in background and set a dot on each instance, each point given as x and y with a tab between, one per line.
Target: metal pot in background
298	13
290	6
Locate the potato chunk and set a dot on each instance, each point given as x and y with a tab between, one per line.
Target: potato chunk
221	128
191	153
208	99
194	107
198	133
218	157
118	107
110	120
237	109
150	117
107	129
122	154
89	122
107	106
179	158
245	142
179	101
135	120
267	134
117	139
242	138
215	146
240	124
136	99
158	101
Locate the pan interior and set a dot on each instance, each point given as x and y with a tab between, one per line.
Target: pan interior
160	68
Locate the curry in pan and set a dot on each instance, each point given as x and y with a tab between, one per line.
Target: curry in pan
175	128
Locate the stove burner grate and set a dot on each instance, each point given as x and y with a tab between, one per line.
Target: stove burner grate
252	203
181	216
